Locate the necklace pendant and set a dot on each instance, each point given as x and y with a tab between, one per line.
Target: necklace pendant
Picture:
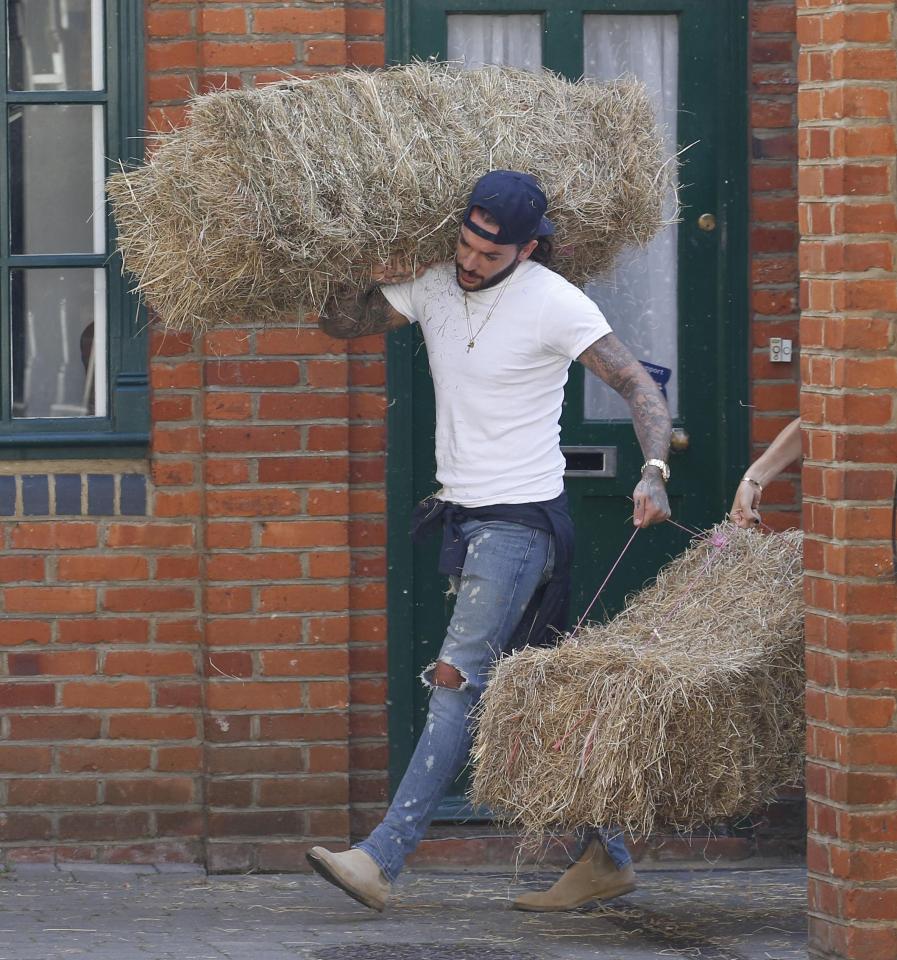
470	345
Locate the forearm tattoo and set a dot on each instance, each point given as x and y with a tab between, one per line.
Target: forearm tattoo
609	359
350	312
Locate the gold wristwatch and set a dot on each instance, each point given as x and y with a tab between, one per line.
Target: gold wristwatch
661	465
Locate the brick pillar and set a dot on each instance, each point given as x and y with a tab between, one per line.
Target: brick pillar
848	219
277	691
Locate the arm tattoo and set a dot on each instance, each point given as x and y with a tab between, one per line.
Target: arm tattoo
609	359
350	312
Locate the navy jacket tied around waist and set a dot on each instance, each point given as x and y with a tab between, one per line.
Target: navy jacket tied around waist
545	619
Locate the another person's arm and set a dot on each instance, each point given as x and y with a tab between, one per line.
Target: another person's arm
354	312
610	360
785	449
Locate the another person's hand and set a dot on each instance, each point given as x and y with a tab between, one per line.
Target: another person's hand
397	270
784	449
744	511
651	503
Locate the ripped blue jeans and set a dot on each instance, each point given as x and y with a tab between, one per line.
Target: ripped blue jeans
505	564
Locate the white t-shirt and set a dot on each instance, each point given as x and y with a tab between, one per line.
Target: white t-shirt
498	405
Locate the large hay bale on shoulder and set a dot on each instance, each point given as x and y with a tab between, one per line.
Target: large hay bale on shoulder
270	196
686	709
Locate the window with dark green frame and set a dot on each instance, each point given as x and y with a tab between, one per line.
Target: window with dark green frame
73	364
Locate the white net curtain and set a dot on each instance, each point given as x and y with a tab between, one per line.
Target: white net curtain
514	39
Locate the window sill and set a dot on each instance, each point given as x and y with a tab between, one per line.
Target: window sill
73	445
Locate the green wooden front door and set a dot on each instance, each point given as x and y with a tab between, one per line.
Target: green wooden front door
680	306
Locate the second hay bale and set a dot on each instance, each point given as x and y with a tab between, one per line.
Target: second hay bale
685	709
270	196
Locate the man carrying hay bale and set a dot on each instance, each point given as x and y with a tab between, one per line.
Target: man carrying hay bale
501	331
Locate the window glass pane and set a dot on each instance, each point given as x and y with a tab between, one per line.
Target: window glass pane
639	298
55	44
58	332
514	40
56	164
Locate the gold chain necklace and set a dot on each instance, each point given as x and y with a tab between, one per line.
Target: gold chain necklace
472	341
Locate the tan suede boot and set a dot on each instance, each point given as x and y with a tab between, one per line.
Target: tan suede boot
594	876
354	872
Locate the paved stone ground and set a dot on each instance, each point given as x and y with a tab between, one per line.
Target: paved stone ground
147	913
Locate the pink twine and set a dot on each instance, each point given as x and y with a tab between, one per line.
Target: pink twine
587	748
718	541
691	531
560	742
515	749
579	623
603	585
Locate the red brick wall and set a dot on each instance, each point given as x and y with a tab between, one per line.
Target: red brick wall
193	46
183	680
773	240
848	69
100	721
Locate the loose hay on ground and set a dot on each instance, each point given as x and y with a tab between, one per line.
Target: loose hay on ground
685	709
270	196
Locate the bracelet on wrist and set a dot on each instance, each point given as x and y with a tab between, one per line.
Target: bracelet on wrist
753	483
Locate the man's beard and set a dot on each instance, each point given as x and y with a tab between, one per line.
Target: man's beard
492	281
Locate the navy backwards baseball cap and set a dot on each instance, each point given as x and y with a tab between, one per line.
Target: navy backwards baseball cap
516	202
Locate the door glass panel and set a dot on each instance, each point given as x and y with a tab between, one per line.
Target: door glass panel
58	331
56	195
639	297
514	40
55	44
